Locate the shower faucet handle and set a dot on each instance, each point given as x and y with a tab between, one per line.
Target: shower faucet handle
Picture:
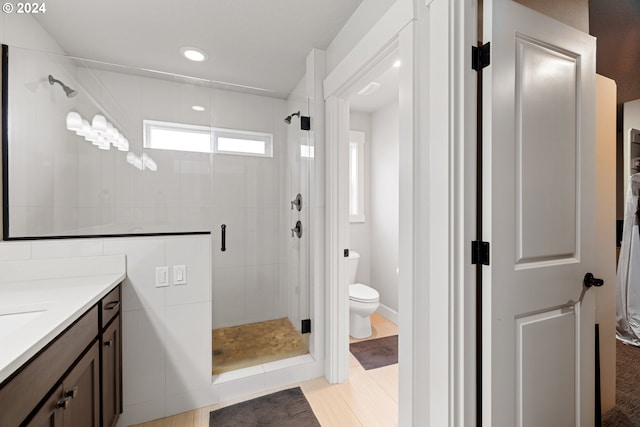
297	230
297	202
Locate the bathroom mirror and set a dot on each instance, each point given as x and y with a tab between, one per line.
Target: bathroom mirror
85	147
631	140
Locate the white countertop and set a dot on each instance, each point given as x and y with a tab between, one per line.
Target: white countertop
52	305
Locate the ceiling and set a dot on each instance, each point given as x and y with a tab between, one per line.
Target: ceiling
616	25
254	43
264	44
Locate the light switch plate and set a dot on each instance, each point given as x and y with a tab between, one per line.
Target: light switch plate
179	274
162	277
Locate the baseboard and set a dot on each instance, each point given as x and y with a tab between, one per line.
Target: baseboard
388	313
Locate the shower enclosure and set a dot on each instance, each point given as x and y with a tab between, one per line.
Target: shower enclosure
200	156
261	285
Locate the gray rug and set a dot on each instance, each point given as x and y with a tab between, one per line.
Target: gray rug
287	408
627	410
376	353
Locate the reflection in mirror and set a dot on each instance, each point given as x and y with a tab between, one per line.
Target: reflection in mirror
631	140
77	160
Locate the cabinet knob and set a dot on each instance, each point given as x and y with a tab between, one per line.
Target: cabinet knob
71	394
63	403
108	343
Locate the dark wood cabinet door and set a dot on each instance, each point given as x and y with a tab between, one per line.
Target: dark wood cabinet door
112	373
82	388
50	413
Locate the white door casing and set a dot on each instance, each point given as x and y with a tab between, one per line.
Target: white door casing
538	215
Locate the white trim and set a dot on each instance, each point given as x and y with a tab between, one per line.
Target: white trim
373	44
381	40
337	368
388	313
437	210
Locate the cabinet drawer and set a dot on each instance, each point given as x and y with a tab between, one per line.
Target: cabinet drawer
20	394
110	306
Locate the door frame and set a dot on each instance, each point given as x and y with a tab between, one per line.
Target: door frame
437	206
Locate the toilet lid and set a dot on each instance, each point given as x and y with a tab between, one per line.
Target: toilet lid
363	293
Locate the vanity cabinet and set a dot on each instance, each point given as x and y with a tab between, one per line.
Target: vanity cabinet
74	381
77	401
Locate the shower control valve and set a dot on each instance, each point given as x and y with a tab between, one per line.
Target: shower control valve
297	202
297	230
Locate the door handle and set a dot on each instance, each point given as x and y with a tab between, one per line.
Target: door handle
590	281
223	229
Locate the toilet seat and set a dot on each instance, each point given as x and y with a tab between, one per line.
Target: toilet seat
363	293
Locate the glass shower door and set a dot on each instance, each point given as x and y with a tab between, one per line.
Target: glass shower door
261	273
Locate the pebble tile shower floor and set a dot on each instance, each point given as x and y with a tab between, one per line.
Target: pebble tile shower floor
237	347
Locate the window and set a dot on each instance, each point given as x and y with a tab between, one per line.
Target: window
205	139
242	143
356	176
177	136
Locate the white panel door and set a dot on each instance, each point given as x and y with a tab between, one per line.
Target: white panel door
538	215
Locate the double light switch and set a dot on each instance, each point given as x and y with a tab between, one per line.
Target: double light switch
179	276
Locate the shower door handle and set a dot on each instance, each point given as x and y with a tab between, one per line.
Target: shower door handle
223	230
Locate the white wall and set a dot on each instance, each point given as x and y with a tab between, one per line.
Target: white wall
360	232
605	235
384	203
62	185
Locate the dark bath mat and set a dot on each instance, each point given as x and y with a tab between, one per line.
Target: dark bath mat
376	353
287	408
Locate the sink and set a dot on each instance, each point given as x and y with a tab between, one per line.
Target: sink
14	318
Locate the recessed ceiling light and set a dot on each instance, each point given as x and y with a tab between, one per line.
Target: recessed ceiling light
193	54
397	64
369	89
197	108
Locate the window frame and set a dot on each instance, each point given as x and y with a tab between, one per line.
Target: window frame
213	133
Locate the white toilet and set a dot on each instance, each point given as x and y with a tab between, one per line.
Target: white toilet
363	301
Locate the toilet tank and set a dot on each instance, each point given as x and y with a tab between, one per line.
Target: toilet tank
352	266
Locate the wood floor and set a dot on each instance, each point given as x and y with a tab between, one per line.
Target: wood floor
367	399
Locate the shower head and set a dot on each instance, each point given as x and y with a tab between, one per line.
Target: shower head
67	90
287	119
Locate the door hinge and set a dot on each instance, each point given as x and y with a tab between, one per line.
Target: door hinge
480	252
480	56
306	326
